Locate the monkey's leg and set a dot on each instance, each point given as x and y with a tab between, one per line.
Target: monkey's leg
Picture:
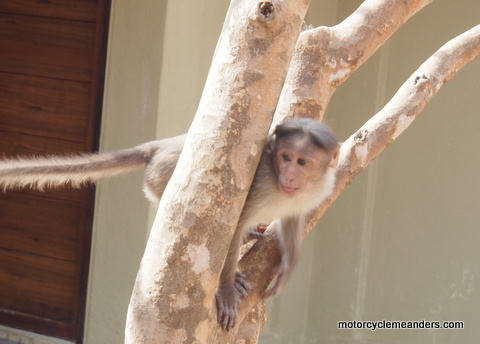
290	236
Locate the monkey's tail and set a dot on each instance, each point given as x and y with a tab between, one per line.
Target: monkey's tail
75	170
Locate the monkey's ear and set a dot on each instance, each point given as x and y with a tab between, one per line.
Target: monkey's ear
270	144
334	161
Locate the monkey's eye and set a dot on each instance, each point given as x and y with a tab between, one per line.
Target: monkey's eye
286	157
302	162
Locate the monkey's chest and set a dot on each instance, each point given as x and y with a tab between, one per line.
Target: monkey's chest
279	206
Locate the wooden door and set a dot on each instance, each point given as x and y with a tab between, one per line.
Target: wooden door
52	58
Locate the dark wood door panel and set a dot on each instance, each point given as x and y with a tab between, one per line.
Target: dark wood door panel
47	47
84	10
44	107
52	58
47	282
15	144
49	226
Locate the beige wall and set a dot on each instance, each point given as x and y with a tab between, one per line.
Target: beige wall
399	244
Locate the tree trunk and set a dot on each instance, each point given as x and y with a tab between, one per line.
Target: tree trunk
173	299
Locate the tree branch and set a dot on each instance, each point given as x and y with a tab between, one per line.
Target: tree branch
383	128
326	56
369	141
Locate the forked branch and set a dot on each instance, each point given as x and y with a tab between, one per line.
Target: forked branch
383	128
326	56
370	140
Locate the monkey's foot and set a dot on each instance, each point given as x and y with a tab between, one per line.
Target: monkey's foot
228	301
283	272
241	284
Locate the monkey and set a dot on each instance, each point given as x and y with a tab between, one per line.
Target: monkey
295	174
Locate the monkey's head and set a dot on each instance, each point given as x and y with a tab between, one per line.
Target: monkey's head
302	150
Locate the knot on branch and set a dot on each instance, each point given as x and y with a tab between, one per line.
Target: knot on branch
420	79
427	84
266	9
361	135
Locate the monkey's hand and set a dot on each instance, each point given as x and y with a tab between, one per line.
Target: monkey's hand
283	271
261	228
257	232
253	234
228	300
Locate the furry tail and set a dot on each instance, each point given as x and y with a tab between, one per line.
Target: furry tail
75	170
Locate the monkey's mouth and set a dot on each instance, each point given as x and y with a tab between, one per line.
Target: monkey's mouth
289	189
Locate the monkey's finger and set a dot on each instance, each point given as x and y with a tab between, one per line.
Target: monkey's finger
233	321
226	322
225	319
222	313
229	319
241	285
242	290
240	277
220	308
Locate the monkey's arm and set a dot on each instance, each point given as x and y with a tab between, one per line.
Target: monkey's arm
232	285
55	171
290	237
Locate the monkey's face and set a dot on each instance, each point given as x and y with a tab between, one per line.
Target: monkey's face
299	164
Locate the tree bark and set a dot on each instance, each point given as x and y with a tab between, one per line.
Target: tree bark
173	298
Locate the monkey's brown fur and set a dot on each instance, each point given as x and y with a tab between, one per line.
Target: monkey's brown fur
295	174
